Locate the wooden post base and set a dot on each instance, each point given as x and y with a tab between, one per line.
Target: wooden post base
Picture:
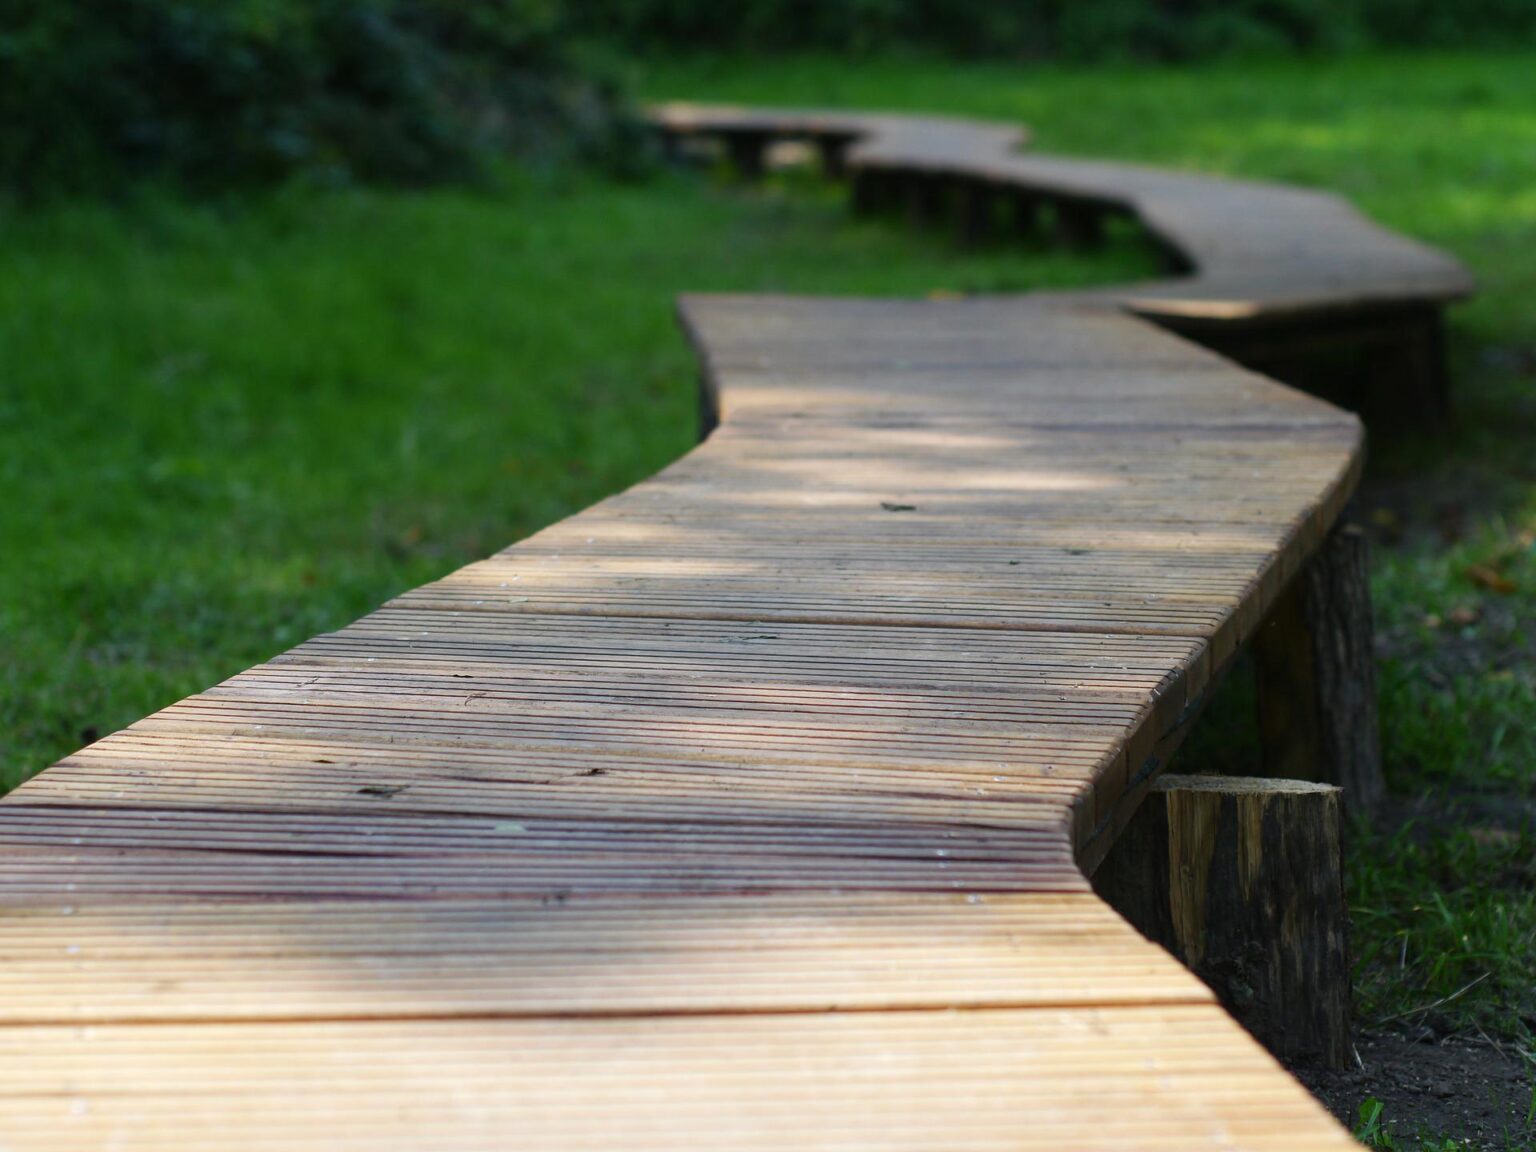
1026	217
1080	225
974	223
1407	362
834	156
1315	665
874	190
749	153
1241	879
928	199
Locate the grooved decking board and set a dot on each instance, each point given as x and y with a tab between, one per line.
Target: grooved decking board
802	506
1125	1078
610	955
744	809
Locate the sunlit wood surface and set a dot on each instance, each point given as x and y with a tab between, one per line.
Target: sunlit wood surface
746	809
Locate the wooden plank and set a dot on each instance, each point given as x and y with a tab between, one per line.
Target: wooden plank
594	956
1253	252
1183	1077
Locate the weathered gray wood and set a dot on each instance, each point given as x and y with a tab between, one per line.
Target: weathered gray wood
1242	880
1290	746
1254	254
1315	665
1338	613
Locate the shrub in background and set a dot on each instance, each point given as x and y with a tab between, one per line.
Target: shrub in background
1062	29
210	93
220	92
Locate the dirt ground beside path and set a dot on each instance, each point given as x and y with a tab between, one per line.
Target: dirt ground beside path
1431	1085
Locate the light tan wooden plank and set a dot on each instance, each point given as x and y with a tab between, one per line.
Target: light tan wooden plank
308	960
1182	1078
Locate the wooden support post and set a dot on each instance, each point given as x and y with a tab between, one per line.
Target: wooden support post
749	153
974	221
1409	380
1434	368
834	152
873	191
670	145
1081	225
709	407
1026	216
1315	666
1242	880
927	197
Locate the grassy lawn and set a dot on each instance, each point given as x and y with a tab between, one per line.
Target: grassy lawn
226	428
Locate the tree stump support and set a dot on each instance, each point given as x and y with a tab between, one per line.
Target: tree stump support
928	198
1242	880
974	221
834	156
1315	666
749	153
1407	363
1026	217
1080	224
874	190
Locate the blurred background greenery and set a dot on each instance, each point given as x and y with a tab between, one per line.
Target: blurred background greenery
208	93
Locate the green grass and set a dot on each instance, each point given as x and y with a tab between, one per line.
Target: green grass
226	428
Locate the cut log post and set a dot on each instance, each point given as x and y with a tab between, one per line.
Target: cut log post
928	198
1242	880
1081	225
834	156
1026	217
670	146
874	190
1409	377
749	153
708	406
1315	665
974	220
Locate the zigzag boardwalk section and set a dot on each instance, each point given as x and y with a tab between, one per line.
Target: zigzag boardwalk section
748	809
1248	253
1293	282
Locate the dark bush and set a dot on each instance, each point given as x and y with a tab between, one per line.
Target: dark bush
1060	29
217	92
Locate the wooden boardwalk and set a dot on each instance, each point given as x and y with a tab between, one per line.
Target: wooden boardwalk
1249	252
747	809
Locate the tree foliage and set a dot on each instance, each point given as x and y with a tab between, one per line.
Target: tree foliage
1063	29
217	92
